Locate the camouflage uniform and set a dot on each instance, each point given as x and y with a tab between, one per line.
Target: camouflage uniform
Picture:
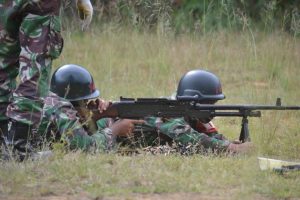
160	131
29	40
61	123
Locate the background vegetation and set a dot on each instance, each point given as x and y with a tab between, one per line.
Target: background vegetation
194	16
256	64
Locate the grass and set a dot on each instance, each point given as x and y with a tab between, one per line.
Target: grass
113	175
254	69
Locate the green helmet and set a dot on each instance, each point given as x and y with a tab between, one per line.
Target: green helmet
201	86
73	83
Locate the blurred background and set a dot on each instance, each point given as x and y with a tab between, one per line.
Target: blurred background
197	16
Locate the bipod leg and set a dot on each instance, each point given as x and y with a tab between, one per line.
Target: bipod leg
244	135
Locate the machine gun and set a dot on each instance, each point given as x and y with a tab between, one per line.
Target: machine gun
187	107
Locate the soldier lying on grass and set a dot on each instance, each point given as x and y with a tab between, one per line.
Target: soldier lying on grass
183	135
65	117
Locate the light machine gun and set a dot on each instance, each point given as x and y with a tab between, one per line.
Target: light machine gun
130	108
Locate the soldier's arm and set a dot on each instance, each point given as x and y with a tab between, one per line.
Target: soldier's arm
74	135
181	132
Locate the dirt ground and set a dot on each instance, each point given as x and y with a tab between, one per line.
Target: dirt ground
168	196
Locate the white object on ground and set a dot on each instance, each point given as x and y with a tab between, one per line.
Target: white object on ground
271	164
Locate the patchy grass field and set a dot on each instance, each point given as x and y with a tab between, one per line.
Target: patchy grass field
254	69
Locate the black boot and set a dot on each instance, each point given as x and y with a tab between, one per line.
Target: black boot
3	130
3	134
18	140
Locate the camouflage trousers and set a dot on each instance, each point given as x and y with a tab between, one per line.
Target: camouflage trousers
29	41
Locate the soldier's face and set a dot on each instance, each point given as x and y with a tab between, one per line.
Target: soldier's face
83	112
206	120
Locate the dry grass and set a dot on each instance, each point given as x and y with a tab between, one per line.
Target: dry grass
135	64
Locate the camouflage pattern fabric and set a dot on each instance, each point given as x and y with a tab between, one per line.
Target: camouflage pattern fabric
162	132
29	40
61	123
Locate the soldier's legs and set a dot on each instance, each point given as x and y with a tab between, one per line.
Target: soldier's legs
9	64
40	42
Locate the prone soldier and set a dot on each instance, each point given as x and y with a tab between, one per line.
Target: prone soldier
66	119
185	135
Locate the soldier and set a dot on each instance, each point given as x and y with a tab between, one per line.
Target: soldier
65	117
29	40
186	135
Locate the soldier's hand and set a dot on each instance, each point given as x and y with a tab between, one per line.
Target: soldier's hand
98	104
85	10
97	107
124	127
241	148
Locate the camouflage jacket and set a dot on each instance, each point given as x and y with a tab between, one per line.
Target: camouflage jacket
61	123
159	131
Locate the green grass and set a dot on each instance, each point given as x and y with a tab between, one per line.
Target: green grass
113	175
254	69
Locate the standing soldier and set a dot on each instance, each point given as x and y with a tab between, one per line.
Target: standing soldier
30	40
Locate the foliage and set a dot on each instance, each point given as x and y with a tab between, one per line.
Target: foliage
236	14
253	69
196	16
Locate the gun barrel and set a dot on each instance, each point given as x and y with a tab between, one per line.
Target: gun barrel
237	114
246	107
